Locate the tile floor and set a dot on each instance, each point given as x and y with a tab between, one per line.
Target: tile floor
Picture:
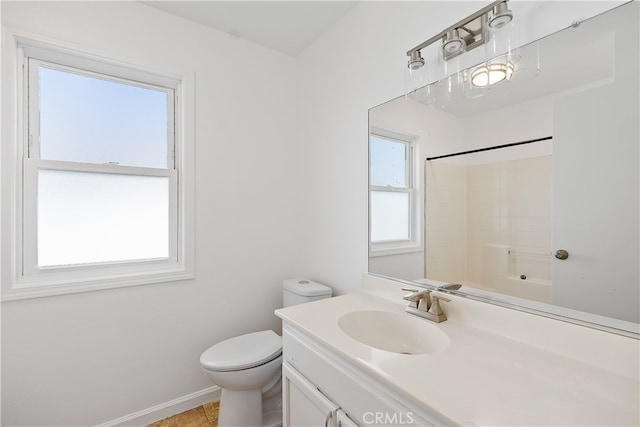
202	416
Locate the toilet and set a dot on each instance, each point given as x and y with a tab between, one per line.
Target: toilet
248	368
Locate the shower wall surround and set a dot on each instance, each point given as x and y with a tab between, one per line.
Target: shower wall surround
489	225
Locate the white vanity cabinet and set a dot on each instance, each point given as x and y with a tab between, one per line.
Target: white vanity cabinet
320	388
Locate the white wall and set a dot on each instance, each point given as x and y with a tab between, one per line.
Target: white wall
88	358
357	64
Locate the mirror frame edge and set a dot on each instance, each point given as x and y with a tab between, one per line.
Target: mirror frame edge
580	318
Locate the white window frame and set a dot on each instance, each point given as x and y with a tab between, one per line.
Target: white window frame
23	279
414	242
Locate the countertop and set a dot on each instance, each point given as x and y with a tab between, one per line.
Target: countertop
481	378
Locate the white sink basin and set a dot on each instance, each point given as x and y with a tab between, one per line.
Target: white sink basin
395	332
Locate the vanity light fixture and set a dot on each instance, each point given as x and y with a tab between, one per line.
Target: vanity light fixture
490	26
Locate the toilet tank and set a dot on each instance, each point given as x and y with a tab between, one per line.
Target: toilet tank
299	291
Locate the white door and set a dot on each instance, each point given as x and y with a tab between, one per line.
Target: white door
303	404
596	189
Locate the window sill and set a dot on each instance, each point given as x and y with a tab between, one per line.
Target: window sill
21	291
398	250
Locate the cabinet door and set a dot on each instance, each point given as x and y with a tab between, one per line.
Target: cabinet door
302	403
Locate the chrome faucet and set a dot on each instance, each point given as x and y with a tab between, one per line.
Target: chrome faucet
426	304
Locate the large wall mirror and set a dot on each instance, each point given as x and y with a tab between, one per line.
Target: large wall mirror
527	196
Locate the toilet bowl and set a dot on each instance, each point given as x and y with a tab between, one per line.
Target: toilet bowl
248	368
245	368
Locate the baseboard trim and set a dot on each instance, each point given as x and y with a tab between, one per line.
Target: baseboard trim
167	409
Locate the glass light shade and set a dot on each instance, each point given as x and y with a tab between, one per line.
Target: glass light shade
505	59
528	66
453	67
502	49
415	78
453	70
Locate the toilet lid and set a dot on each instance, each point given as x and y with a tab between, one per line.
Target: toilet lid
243	352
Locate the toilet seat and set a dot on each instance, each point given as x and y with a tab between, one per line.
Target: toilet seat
243	352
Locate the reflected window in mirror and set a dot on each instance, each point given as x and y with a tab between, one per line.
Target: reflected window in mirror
394	213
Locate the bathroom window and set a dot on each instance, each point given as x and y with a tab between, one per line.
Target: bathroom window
393	227
100	203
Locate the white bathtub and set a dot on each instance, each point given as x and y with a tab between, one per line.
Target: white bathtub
519	273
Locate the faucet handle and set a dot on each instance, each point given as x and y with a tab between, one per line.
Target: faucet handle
418	295
435	305
420	300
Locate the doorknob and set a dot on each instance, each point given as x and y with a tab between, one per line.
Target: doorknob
562	254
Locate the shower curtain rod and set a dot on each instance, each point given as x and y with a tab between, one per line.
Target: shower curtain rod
513	144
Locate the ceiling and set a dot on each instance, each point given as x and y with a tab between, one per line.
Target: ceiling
285	26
